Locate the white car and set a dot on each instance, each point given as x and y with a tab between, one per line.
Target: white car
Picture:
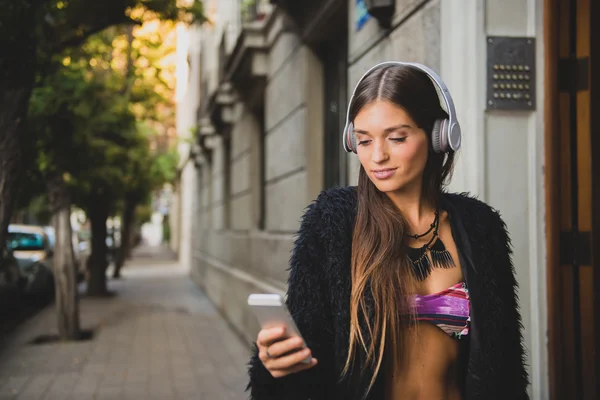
31	247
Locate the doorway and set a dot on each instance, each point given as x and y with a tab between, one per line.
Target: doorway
573	206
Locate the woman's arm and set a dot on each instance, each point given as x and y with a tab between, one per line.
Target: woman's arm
308	302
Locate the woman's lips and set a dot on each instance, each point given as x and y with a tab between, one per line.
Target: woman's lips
384	173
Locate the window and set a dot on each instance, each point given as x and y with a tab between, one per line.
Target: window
21	241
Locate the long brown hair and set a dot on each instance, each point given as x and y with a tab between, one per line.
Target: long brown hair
379	262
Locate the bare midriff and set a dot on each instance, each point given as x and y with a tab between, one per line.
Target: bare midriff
429	366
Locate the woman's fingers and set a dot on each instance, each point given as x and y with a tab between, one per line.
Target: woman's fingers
265	338
280	348
270	335
278	373
287	361
280	355
303	366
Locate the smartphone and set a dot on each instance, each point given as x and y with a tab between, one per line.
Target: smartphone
270	310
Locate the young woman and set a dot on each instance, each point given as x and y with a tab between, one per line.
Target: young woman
401	290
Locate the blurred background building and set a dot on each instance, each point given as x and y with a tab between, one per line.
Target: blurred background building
262	113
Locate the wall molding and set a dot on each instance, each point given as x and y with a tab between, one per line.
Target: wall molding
464	74
538	354
262	284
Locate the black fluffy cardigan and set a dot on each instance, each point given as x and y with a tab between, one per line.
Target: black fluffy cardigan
319	294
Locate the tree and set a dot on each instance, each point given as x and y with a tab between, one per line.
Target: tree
31	200
17	71
151	95
84	132
63	108
105	185
137	188
32	33
148	172
94	101
128	63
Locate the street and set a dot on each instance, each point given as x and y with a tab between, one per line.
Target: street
158	338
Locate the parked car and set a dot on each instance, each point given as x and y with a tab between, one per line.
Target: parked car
31	247
11	282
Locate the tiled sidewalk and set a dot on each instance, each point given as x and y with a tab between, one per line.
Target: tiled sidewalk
159	338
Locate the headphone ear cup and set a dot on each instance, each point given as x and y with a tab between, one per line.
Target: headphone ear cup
351	137
437	134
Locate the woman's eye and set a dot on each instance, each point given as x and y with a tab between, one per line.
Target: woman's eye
363	142
399	140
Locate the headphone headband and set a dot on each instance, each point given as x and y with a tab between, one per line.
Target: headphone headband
450	137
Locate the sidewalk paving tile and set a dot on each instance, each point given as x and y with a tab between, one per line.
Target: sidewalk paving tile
158	338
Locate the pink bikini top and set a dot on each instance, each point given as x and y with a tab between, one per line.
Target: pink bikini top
449	310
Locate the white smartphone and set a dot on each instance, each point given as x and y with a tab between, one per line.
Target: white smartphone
270	310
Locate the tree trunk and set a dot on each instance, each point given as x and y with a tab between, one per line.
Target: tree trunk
134	238
98	212
16	82
9	160
127	222
67	303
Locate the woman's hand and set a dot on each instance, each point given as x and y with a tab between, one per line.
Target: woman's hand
282	355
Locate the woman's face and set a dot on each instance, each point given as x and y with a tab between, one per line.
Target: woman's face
391	148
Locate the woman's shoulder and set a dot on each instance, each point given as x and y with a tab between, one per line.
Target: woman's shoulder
475	214
325	234
469	205
333	203
334	210
337	200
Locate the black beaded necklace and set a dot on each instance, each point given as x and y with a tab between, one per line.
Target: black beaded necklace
439	257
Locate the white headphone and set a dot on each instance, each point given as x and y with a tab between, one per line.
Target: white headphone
446	133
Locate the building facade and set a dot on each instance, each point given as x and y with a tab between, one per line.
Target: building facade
272	82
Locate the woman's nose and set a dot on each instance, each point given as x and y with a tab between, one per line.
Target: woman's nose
380	153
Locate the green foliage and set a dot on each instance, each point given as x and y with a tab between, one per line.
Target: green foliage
100	93
143	213
148	171
38	210
164	168
68	23
80	129
36	34
93	120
